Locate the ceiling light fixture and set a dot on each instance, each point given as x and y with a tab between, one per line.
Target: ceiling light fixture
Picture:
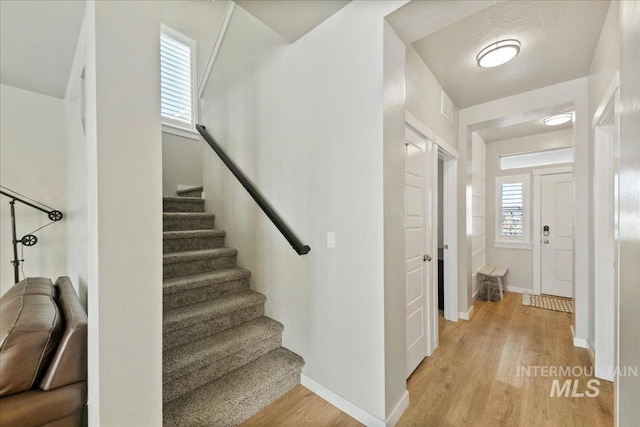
557	119
498	53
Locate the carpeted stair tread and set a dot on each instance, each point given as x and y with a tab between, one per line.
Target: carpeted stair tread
186	283
189	240
188	262
183	317
183	199
238	395
191	289
187	215
190	234
182	360
182	204
173	257
179	221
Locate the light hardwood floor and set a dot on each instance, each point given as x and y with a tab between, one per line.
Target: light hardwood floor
472	378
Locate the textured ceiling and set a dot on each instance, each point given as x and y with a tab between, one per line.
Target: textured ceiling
519	130
418	19
37	43
292	18
558	40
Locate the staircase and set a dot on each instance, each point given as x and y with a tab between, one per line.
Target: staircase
222	358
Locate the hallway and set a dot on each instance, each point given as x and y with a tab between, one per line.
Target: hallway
472	378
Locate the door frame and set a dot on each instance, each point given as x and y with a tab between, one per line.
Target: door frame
450	156
606	149
537	223
450	232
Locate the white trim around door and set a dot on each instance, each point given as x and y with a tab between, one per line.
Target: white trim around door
605	211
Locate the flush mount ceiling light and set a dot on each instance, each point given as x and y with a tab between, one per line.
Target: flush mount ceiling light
557	119
498	53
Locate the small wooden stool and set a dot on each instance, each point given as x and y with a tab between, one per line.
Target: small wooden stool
497	273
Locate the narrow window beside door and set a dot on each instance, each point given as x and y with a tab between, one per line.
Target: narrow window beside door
512	209
177	80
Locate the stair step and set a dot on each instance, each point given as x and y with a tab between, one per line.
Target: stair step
189	240
185	290
177	264
191	192
182	204
180	221
196	321
190	366
236	396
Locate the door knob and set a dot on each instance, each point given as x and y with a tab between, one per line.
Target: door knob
545	241
426	258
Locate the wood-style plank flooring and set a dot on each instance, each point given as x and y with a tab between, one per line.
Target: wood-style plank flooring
472	378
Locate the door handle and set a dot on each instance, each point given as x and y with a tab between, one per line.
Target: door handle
545	241
426	258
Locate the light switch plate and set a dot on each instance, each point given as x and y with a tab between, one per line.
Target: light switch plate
331	239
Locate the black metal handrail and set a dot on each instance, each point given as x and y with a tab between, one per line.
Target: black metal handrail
288	234
28	239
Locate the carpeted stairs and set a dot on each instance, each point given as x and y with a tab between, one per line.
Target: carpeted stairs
222	358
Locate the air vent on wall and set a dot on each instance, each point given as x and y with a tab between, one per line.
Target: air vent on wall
446	106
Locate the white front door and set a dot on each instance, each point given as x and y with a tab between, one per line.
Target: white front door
557	234
415	249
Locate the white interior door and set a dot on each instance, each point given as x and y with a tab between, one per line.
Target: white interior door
557	234
415	249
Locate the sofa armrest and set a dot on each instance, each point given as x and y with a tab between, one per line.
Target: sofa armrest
36	408
69	363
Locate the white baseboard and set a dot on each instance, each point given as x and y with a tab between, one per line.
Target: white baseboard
579	342
352	409
466	315
519	290
397	412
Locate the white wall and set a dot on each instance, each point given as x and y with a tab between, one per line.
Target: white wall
32	162
423	98
200	20
76	137
394	218
518	261
479	207
628	387
117	215
305	122
181	162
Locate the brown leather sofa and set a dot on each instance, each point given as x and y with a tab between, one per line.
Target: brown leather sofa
43	355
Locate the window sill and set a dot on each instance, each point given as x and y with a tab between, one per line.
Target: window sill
185	133
513	245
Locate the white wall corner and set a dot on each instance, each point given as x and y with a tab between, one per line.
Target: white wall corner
466	315
397	412
578	341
